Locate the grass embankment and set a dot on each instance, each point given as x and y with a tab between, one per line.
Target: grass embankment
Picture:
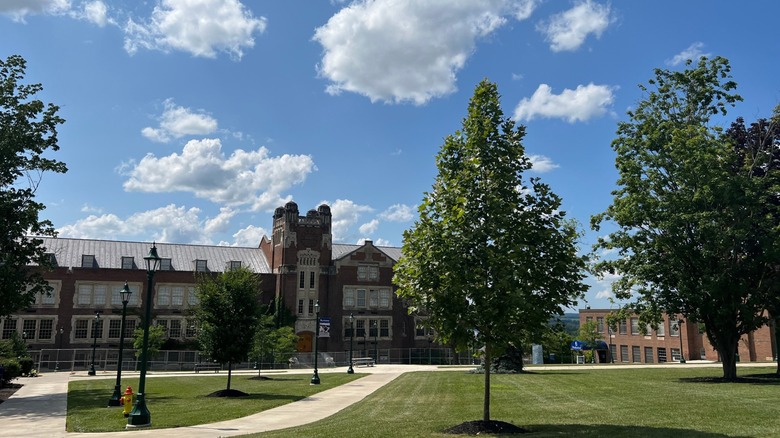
183	401
656	402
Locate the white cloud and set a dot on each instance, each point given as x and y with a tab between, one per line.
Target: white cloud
18	9
407	50
382	242
569	29
86	208
249	236
200	27
542	164
95	12
166	224
398	213
369	227
177	121
580	104
605	293
345	214
251	178
694	52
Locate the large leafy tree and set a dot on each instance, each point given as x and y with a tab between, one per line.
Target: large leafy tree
228	315
696	236
491	257
28	129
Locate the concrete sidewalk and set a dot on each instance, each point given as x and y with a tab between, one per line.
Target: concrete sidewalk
38	409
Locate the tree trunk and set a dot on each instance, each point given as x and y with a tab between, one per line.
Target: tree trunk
486	404
776	326
728	357
230	372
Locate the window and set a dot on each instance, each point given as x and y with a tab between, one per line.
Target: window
164	324
114	328
99	294
360	328
201	265
623	329
675	354
177	296
300	307
128	263
301	280
674	329
80	330
661	329
661	355
421	329
175	329
94	294
163	296
373	298
649	354
368	273
636	354
624	353
234	265
613	352
384	328
191	330
192	297
600	324
311	280
9	327
349	298
634	326
165	265
384	298
45	329
48	298
311	307
116	296
87	261
361	298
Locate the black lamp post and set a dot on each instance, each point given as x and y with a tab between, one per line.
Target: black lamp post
315	379
59	347
376	344
140	415
680	333
116	397
351	337
91	371
430	346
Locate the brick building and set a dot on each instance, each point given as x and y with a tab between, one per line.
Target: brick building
298	266
672	337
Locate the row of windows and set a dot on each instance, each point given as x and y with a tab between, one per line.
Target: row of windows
89	261
29	329
634	324
42	329
368	328
366	298
368	273
102	294
649	356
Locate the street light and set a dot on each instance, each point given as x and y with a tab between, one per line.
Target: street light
140	415
59	347
351	337
376	345
679	332
116	397
91	371
315	379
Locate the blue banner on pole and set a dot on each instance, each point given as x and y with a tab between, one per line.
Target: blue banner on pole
324	327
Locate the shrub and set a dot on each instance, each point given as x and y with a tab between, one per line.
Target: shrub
26	363
11	370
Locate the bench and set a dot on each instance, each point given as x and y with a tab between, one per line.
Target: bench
366	361
208	366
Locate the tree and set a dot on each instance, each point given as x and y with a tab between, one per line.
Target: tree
271	343
590	335
491	257
155	342
227	316
28	129
695	237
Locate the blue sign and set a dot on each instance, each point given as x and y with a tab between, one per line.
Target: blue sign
577	345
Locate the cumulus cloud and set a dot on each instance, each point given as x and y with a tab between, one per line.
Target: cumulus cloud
568	30
694	51
200	27
407	50
580	104
19	9
95	12
542	164
177	121
250	236
369	227
398	213
253	178
174	224
345	214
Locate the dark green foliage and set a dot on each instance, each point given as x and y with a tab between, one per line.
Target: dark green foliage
28	128
11	370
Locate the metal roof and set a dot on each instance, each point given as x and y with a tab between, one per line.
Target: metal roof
108	254
342	250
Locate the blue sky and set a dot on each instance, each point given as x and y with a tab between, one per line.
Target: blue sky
189	121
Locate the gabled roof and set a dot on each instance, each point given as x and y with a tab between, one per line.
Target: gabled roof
341	250
108	254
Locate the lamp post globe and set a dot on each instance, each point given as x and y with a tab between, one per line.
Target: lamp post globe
116	397
351	337
315	379
95	325
140	415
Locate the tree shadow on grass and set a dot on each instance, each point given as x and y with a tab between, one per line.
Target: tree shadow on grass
610	430
752	379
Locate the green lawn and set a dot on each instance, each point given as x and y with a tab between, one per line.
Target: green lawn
655	402
659	402
182	401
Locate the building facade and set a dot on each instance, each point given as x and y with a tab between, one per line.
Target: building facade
299	266
673	337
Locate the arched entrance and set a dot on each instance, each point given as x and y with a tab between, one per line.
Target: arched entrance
305	342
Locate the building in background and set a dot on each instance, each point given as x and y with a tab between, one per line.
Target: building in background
298	266
629	345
